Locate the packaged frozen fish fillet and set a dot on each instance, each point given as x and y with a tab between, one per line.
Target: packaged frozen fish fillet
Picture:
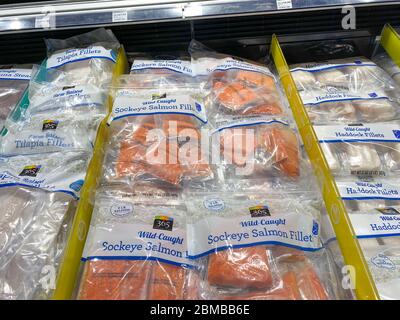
328	105
49	94
137	247
39	195
256	146
357	74
259	246
369	149
88	58
156	136
48	133
236	86
13	83
386	63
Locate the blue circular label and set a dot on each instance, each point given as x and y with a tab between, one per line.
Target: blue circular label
214	204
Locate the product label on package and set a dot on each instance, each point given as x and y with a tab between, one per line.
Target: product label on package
73	55
15	74
72	96
363	190
207	65
260	226
160	240
334	94
315	67
36	175
128	103
178	66
359	132
378	222
245	122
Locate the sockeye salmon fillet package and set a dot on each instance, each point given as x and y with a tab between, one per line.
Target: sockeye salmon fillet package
156	134
39	195
234	86
137	247
347	90
260	246
255	147
13	83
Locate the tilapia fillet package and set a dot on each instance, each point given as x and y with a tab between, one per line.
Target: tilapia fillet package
156	136
136	247
84	59
39	196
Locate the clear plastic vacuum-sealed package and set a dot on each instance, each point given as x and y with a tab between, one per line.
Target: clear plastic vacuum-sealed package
361	149
137	247
13	83
256	246
156	136
39	195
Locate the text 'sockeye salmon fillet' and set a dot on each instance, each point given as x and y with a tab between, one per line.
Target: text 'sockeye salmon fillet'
156	135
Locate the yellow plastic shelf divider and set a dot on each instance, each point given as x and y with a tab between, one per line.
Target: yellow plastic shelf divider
364	285
69	268
390	41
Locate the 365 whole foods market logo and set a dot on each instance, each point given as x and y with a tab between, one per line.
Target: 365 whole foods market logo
163	223
49	125
259	211
30	171
157	96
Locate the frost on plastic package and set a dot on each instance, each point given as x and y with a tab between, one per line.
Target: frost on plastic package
386	63
45	133
88	58
254	147
155	136
13	83
235	86
137	248
39	196
369	149
358	74
259	247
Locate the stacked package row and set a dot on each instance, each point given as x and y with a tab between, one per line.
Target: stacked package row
45	149
202	194
354	107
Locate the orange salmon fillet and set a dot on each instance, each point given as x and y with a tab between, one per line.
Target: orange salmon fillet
256	79
240	268
114	280
283	144
167	282
310	286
